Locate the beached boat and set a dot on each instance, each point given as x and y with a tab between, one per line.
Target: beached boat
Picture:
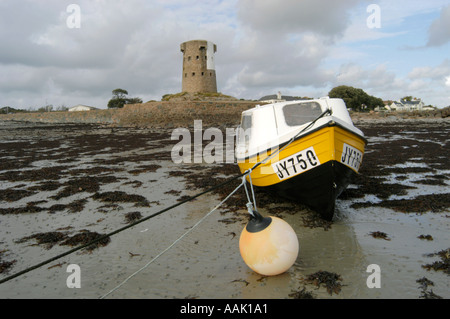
308	150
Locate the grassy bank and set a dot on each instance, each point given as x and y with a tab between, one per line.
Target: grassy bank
151	114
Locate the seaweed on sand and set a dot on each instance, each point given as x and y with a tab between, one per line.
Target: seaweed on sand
47	239
85	237
50	239
328	279
302	294
5	265
380	235
131	217
118	196
443	264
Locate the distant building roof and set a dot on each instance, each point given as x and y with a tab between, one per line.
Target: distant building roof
413	102
81	107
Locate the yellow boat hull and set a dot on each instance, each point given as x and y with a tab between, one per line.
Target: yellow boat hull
314	169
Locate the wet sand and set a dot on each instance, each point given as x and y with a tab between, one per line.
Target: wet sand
65	184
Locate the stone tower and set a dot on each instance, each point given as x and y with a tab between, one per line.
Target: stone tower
199	74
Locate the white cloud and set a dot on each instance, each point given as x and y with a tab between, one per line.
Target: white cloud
327	17
396	12
432	73
116	46
263	46
351	73
283	64
284	43
360	32
447	81
378	80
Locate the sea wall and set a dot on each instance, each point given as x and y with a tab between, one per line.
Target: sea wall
151	114
182	113
96	116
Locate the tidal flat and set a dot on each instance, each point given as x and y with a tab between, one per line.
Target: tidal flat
63	185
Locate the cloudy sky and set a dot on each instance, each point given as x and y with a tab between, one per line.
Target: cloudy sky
390	49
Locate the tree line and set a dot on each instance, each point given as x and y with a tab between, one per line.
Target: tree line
356	99
120	98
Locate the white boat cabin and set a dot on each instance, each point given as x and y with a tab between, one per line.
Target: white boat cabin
267	126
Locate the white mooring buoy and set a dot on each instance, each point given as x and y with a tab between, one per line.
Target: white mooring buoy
268	245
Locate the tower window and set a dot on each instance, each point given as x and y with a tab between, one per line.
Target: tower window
203	73
189	58
185	75
193	73
198	57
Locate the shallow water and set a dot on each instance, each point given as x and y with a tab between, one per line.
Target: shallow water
206	263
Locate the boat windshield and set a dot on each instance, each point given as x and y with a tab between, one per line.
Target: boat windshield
246	122
301	113
245	129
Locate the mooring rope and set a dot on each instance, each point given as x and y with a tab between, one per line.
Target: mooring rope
251	205
173	244
117	231
243	175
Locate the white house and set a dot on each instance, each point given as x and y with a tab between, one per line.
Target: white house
395	106
81	107
403	105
